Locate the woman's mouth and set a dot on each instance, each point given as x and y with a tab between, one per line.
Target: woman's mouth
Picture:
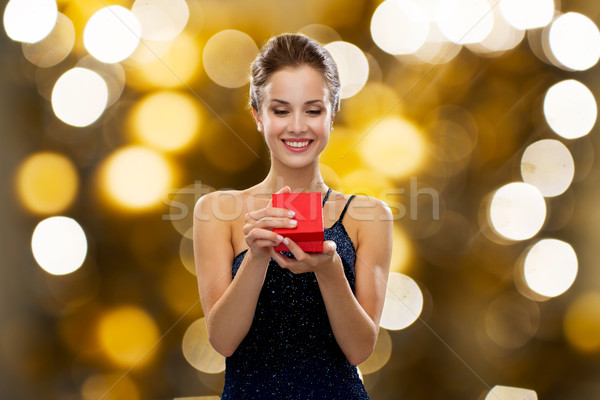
297	146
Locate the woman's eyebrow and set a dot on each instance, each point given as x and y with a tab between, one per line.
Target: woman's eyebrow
308	102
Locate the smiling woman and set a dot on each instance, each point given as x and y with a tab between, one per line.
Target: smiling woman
292	324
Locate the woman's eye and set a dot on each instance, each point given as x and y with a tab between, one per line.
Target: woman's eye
280	112
314	112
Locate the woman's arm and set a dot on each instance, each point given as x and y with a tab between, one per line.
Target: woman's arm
355	319
229	304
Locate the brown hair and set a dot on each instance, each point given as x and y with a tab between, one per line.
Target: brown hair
293	50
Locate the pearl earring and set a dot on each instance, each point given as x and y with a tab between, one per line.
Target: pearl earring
259	128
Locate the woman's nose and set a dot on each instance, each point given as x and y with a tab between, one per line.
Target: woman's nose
297	123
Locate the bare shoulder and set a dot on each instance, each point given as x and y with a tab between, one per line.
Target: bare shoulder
365	208
219	206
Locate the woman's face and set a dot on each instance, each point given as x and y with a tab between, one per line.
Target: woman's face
296	112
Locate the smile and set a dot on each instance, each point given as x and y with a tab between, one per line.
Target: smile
297	146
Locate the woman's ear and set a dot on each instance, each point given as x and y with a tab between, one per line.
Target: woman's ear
257	117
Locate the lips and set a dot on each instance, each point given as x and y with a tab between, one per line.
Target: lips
291	144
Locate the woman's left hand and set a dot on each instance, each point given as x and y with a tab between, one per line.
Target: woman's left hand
307	262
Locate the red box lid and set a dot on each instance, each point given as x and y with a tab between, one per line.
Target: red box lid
309	233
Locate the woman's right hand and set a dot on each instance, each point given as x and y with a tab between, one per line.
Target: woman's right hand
259	224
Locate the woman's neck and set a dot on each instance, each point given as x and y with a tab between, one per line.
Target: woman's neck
308	179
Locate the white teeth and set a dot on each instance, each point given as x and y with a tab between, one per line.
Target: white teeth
297	144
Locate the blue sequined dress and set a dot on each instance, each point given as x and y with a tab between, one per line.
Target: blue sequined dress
290	351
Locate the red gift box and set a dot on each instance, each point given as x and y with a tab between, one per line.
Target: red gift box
309	233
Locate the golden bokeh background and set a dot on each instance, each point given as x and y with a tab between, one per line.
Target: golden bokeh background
475	121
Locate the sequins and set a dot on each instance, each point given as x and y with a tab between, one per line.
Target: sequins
290	351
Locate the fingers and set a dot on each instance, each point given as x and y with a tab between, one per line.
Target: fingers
264	237
285	189
331	246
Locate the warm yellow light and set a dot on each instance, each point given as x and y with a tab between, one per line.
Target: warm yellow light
517	211
167	64
166	120
115	386
352	65
128	335
434	52
321	33
574	40
527	14
136	177
59	245
510	393
362	111
112	34
227	57
367	182
550	267
339	154
464	21
47	183
582	323
401	251
399	26
403	302
394	147
29	20
570	109
79	97
161	19
502	37
548	165
198	350
53	48
380	356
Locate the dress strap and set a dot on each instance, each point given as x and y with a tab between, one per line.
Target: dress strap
326	196
346	207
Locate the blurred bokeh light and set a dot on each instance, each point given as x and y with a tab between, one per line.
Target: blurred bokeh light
47	183
548	165
575	41
59	245
112	34
227	57
352	65
517	211
399	26
136	177
394	148
527	14
550	267
29	21
464	21
570	109
128	336
198	351
582	323
55	47
510	393
403	302
79	97
166	120
161	20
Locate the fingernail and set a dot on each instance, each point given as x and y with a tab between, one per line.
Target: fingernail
291	213
279	237
294	222
286	241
